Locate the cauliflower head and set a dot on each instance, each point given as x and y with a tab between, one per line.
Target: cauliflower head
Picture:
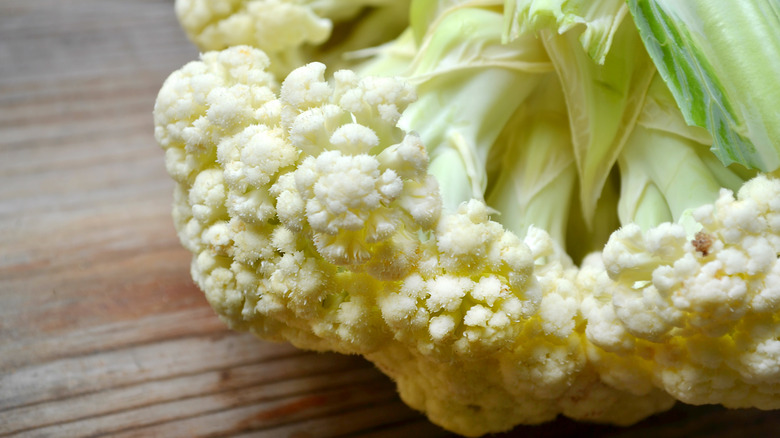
513	208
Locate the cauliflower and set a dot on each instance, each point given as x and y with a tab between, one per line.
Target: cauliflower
291	32
703	308
505	208
312	218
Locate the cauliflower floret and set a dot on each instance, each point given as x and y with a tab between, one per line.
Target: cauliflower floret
278	27
701	310
471	292
206	102
240	173
361	188
527	371
288	30
251	160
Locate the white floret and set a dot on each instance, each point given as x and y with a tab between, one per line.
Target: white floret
702	309
312	129
292	32
361	188
306	87
354	139
342	192
281	28
253	157
470	295
207	196
207	101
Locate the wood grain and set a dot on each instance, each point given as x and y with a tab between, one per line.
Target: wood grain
101	329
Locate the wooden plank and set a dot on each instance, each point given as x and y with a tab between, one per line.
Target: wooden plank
172	325
356	420
163	403
85	226
414	428
53	39
273	413
120	285
145	397
67	377
101	328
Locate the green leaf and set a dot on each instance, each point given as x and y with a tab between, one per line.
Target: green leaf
665	166
536	184
423	14
598	20
468	84
603	102
722	63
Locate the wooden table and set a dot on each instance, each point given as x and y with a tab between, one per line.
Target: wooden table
101	329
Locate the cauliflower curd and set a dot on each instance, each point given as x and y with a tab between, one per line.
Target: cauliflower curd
503	208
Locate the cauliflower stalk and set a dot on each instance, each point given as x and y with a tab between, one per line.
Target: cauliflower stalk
504	209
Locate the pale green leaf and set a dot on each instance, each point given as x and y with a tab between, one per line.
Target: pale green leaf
603	102
595	21
536	182
722	63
